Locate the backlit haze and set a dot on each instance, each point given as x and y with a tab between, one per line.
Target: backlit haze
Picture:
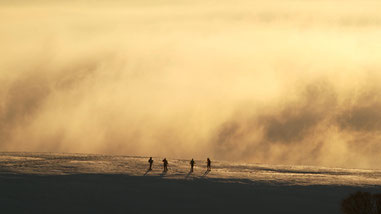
278	82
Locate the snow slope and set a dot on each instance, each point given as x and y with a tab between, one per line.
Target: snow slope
83	183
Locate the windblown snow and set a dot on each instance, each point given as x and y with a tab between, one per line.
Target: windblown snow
67	164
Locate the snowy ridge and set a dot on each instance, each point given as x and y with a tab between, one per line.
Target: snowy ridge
70	164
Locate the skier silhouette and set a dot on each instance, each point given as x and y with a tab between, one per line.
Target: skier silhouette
165	164
150	161
208	164
192	164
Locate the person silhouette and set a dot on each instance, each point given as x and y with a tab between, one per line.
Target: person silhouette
192	164
150	161
208	164
165	164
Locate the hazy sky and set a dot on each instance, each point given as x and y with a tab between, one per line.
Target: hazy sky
284	82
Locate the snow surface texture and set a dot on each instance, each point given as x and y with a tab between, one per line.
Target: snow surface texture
82	183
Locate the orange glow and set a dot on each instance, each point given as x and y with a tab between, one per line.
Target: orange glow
294	82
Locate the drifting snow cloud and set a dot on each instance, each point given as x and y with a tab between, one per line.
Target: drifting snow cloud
275	82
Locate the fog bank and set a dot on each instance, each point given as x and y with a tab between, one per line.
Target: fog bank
283	82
